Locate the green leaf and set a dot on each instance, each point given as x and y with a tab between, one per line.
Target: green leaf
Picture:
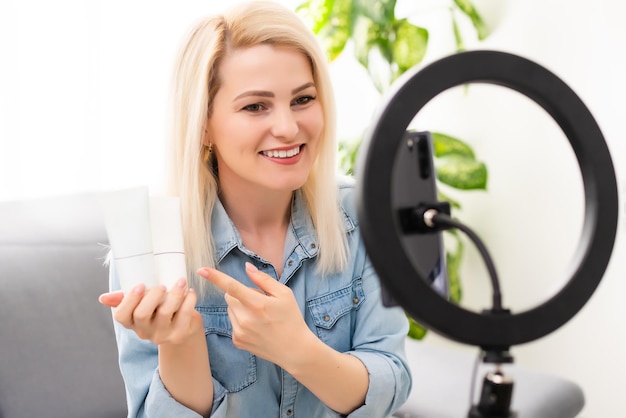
382	38
461	172
316	13
338	29
381	12
445	145
409	46
468	8
361	39
368	35
416	331
453	265
458	38
347	156
373	32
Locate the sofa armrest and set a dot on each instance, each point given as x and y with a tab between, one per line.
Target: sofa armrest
442	382
58	352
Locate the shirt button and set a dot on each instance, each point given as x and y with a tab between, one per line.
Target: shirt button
313	246
289	412
264	265
355	300
290	263
326	318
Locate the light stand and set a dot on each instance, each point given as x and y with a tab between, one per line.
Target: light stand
495	397
497	389
390	221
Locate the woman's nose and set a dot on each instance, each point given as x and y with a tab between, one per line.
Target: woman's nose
284	124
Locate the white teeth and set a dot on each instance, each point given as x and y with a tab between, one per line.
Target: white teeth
282	153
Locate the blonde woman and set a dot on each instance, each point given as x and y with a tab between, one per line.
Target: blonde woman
286	318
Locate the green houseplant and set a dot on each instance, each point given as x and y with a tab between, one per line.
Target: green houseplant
387	46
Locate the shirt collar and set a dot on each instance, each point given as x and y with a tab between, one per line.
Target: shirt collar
225	234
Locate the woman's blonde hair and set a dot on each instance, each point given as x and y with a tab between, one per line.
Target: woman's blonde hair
195	84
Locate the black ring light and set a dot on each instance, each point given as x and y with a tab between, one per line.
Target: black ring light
379	221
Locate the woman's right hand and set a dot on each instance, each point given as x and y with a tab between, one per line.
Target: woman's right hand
158	315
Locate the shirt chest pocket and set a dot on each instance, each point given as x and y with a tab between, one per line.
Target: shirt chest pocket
235	369
332	315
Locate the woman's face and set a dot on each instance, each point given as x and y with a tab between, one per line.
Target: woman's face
266	121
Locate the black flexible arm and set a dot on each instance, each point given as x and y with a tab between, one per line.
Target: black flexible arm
438	220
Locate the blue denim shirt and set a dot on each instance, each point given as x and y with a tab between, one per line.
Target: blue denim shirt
344	310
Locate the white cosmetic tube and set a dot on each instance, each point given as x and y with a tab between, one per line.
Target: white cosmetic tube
127	221
167	240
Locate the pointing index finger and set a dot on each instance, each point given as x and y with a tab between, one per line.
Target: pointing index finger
226	283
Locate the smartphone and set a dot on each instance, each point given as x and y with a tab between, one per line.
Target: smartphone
414	184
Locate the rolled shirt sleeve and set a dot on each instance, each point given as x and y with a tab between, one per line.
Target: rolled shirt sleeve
388	385
379	340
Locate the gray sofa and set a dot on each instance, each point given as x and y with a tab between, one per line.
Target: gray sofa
58	357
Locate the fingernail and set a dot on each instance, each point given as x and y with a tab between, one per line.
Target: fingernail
203	272
181	283
251	267
139	288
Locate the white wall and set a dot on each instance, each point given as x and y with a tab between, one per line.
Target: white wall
582	42
83	89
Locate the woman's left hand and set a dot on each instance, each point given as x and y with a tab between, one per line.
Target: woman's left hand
266	322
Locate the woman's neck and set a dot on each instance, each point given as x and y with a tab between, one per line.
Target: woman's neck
262	219
257	211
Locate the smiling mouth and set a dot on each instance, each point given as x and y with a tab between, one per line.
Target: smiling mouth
282	153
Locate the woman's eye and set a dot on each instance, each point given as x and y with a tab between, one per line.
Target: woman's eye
256	107
303	100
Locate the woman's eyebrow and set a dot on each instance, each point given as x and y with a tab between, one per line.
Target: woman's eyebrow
263	93
255	93
303	87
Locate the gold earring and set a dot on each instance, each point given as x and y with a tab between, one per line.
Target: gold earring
210	147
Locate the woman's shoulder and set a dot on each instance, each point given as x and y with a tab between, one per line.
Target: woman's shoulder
347	196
